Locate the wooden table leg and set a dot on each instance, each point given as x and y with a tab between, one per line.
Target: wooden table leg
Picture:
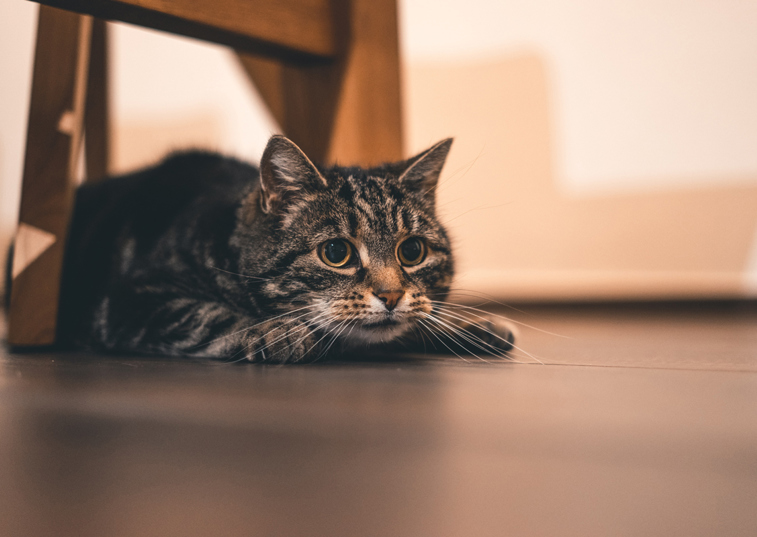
97	113
348	111
52	145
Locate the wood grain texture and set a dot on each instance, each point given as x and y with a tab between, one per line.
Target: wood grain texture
298	30
348	111
53	136
97	113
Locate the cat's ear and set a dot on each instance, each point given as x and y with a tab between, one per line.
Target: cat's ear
423	170
285	172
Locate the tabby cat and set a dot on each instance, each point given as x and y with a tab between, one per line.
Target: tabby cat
205	255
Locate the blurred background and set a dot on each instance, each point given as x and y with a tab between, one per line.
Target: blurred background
603	150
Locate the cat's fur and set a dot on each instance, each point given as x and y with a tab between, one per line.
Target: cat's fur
205	255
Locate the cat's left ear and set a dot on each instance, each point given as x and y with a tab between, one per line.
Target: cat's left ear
285	173
422	173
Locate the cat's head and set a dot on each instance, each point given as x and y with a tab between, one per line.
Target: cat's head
361	250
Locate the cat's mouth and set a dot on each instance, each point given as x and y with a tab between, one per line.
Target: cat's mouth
387	322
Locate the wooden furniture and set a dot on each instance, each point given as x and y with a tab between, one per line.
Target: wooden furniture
327	69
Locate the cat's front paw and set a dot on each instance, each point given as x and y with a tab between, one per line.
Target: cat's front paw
492	335
282	340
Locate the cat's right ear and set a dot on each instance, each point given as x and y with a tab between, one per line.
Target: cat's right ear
422	171
285	173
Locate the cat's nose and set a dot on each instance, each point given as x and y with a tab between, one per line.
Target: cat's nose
389	298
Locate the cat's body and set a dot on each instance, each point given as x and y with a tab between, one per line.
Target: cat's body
205	255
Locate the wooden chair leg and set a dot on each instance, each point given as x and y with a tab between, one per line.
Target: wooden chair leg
348	111
52	144
302	99
96	115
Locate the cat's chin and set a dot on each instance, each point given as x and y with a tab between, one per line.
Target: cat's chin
380	332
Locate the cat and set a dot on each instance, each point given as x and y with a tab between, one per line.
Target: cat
204	255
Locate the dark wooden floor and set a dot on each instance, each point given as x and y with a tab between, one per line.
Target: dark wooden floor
642	422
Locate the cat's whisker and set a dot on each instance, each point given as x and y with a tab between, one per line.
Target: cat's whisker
453	340
417	330
280	338
248	328
455	315
314	345
486	297
450	314
330	331
465	168
478	208
240	275
447	313
519	355
431	331
446	203
505	355
422	328
336	336
288	333
324	324
351	328
471	308
351	322
459	333
474	339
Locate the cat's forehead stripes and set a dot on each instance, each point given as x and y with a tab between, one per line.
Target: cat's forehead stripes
378	203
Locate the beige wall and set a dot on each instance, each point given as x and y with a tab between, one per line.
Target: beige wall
520	235
601	150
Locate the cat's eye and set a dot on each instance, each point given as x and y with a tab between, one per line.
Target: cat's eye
411	252
335	252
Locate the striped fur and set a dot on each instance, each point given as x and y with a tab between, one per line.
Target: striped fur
208	256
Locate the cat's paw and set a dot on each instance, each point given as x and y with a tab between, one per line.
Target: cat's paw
282	340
